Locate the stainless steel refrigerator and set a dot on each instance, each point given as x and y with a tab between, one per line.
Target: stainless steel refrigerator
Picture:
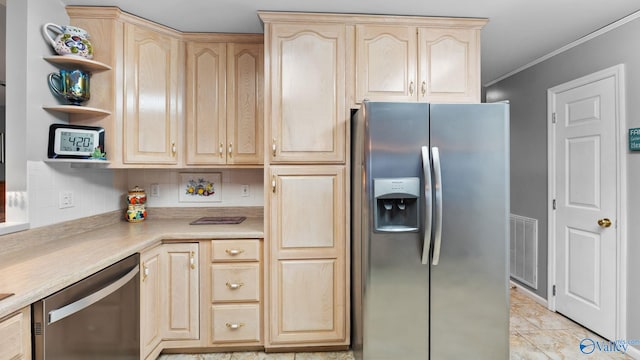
430	206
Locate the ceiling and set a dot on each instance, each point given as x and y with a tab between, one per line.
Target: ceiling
518	32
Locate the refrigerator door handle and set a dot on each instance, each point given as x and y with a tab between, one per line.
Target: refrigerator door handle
437	184
426	168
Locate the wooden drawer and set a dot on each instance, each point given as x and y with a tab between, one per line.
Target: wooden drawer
235	282
235	323
235	250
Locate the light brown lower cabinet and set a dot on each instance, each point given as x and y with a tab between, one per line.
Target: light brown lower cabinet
308	282
169	297
15	336
201	296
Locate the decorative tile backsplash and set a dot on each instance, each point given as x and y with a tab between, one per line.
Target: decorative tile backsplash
97	190
170	185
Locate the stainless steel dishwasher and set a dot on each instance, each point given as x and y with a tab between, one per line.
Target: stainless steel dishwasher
95	318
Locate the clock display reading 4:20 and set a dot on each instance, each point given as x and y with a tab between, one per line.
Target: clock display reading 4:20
74	141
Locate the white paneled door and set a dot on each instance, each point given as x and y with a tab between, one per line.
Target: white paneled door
585	153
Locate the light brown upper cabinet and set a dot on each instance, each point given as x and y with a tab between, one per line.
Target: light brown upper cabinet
152	64
305	90
224	102
428	60
173	99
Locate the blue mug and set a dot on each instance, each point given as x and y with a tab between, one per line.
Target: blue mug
73	85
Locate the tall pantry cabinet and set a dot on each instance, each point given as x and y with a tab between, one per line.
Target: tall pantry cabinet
306	124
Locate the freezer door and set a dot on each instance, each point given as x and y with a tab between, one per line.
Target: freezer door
469	307
391	284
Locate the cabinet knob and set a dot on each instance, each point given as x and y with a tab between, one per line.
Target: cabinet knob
145	271
234	326
234	252
234	286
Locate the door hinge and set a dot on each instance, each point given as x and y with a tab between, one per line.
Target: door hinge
553	118
553	204
553	290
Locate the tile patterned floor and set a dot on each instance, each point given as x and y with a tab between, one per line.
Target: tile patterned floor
342	355
536	334
539	334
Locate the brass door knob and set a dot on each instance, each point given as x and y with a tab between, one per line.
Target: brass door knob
605	223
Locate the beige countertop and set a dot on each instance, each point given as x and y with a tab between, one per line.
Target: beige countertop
36	272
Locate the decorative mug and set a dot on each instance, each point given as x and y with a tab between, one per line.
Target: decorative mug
70	40
72	85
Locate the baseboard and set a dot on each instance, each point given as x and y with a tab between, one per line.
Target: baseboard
537	298
633	352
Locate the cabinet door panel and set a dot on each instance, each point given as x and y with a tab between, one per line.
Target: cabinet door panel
309	303
15	336
151	315
450	65
151	87
308	93
206	103
386	60
181	276
307	211
245	68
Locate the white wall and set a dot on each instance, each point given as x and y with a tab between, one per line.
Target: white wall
34	186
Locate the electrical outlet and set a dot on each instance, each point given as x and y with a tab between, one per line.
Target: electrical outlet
155	190
65	200
244	190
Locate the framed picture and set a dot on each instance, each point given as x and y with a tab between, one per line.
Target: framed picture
200	187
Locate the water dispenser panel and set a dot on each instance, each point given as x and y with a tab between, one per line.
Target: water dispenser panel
396	205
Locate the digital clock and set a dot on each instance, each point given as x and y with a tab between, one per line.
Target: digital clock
74	141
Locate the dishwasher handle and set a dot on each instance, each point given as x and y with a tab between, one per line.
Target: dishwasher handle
74	307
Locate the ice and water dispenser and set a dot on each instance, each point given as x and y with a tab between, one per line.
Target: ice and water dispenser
396	204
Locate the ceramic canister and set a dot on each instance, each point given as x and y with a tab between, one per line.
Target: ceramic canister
136	209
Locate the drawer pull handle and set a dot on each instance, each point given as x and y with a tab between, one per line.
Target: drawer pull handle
234	286
234	326
234	252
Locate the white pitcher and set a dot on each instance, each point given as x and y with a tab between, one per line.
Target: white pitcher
70	40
